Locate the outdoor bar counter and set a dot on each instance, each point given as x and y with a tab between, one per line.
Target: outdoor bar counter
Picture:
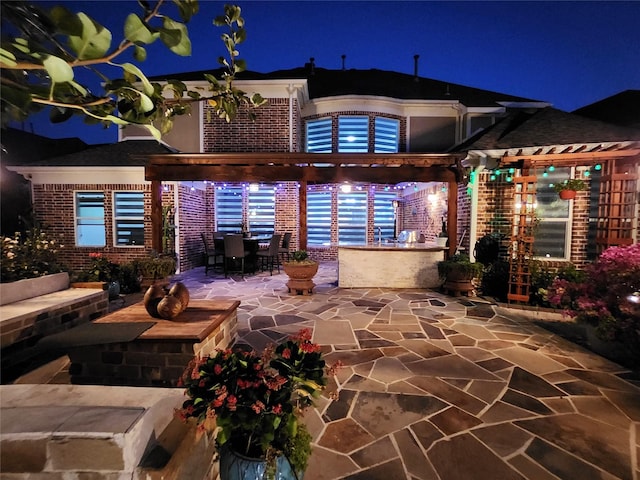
389	265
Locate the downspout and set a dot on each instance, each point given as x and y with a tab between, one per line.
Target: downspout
176	222
291	90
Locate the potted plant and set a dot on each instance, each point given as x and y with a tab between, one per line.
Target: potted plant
458	273
155	269
567	189
253	403
102	273
301	270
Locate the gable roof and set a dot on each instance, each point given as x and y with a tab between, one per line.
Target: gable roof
108	154
545	127
323	83
25	148
621	109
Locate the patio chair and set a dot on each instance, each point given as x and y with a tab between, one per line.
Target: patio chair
210	255
271	256
233	252
284	248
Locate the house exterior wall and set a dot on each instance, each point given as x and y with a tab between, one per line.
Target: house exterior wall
53	207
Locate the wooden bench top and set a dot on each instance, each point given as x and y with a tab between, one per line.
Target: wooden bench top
199	319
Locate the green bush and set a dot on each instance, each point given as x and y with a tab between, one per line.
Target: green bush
495	280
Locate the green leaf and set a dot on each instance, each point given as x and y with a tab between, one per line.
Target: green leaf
175	37
7	58
137	32
94	42
187	8
59	115
80	88
132	69
58	69
66	22
153	131
139	53
146	105
240	66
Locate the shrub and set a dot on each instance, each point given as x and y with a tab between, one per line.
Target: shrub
607	296
29	255
495	280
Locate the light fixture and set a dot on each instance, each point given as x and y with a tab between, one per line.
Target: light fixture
345	188
254	187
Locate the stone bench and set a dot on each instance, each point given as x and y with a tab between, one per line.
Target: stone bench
82	431
36	308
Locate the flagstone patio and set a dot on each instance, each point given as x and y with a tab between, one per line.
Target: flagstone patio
442	388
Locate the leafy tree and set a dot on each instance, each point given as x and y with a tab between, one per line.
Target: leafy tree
42	52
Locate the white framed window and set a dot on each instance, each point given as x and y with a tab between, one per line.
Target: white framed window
229	208
319	218
552	236
89	219
319	136
262	209
353	134
352	218
128	219
386	135
383	213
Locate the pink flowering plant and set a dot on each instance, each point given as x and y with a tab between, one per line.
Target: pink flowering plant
608	297
255	401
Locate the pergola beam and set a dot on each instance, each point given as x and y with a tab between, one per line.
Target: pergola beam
305	168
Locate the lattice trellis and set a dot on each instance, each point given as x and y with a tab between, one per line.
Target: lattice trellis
521	244
617	204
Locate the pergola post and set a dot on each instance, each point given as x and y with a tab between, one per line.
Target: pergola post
302	215
156	215
452	216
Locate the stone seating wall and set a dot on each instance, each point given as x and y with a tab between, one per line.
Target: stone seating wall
34	308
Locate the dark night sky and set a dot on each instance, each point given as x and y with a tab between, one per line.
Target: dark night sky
568	53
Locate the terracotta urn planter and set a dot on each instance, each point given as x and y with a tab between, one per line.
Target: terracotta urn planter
301	276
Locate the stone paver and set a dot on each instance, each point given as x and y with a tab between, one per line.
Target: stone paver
443	388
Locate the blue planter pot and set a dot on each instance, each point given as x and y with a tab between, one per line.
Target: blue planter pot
234	466
114	290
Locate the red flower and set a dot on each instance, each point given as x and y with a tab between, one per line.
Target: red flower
286	353
277	409
258	406
231	402
217	369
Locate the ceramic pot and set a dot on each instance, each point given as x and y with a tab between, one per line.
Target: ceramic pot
234	466
114	290
300	276
567	194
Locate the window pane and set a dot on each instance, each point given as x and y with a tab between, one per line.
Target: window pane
319	136
386	140
552	215
129	218
262	212
550	239
90	228
383	213
353	134
352	218
319	218
229	208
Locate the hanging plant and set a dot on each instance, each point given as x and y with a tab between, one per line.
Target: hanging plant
567	189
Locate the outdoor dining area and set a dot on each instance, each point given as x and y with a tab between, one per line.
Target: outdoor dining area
245	254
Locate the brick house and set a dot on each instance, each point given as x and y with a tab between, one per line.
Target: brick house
222	179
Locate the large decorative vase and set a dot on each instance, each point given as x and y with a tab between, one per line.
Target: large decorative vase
567	194
300	276
442	241
234	466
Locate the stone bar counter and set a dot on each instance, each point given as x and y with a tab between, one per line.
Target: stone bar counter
389	265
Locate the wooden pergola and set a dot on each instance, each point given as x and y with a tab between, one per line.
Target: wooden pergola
305	169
